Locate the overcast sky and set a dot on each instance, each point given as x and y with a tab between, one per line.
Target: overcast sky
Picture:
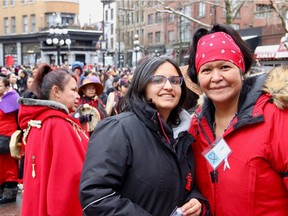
90	9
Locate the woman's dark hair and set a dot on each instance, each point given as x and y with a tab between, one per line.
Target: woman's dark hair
46	78
142	77
5	81
247	53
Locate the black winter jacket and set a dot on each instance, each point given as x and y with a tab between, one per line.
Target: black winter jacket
134	166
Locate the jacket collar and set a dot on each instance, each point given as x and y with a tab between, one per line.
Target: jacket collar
150	117
48	103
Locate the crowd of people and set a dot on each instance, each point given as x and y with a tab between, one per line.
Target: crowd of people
122	142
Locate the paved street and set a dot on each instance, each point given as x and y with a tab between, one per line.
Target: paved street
12	209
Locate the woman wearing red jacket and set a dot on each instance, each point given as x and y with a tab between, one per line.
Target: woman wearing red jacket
241	149
56	145
8	124
91	107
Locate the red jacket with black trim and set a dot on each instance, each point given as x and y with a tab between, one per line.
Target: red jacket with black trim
255	184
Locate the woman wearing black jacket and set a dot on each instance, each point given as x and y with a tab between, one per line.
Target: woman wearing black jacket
140	162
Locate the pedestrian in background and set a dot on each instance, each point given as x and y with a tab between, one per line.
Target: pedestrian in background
92	109
115	100
22	81
241	150
78	71
56	145
8	124
13	81
140	161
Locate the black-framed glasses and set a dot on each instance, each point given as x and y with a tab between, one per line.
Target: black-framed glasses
160	80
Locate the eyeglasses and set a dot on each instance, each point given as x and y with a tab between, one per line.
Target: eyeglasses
160	80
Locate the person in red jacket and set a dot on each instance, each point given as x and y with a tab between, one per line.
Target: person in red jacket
241	150
55	145
92	109
8	124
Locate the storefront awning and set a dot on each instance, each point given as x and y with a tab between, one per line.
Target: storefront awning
271	52
266	52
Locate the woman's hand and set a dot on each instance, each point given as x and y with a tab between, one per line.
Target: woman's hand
191	208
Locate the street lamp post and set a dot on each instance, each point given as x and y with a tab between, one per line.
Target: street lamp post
121	60
136	46
58	37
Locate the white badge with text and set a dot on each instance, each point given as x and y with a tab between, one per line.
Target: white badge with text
218	154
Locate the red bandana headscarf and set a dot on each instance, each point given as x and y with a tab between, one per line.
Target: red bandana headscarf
218	46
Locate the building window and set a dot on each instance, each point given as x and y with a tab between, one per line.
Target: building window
13	25
24	1
32	23
142	16
202	9
237	15
112	29
106	15
132	17
123	36
186	29
25	24
150	38
142	34
170	36
50	19
235	26
67	18
12	2
137	16
5	3
171	18
150	19
6	26
262	10
128	19
187	10
158	17
112	14
158	37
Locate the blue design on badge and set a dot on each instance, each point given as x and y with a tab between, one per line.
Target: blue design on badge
213	158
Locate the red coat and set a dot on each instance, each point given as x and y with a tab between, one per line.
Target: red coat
56	150
253	186
8	124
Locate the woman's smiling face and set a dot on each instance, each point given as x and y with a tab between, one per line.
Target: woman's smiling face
221	81
164	96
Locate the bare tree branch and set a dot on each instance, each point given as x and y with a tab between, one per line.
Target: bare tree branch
179	13
280	14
